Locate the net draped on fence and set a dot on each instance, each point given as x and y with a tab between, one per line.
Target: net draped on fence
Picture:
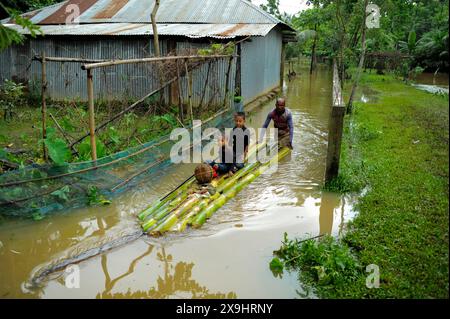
37	190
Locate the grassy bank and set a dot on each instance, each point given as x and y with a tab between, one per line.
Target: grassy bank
396	148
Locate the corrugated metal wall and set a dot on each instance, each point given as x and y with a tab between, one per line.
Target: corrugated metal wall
68	80
15	63
260	68
212	92
260	65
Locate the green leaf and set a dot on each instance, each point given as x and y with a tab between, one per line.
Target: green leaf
101	148
84	149
37	216
9	36
169	118
104	202
67	125
3	154
95	198
62	193
50	131
58	150
113	135
276	266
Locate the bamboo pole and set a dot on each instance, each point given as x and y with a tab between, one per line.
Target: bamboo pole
68	60
90	88
180	95
189	90
173	217
232	190
44	104
150	60
150	211
161	216
120	114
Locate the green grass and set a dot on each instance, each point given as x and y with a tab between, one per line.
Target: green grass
395	146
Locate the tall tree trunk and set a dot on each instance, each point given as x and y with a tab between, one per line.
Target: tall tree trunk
155	29
361	60
342	42
156	48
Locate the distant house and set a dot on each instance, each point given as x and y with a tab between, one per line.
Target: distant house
121	29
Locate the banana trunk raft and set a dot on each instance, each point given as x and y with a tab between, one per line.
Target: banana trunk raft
190	205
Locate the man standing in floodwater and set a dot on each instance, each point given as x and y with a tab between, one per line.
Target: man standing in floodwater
282	120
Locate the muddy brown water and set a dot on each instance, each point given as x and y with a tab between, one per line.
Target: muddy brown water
439	79
432	83
228	257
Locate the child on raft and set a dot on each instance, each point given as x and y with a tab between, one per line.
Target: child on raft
233	150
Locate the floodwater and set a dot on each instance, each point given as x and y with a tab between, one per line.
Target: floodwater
228	257
433	83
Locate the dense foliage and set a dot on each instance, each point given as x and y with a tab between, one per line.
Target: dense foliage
418	29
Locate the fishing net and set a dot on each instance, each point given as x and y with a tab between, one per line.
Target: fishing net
37	190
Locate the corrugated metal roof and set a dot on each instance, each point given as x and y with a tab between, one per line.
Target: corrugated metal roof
170	11
222	31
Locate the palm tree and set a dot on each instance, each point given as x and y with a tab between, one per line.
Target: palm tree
433	48
411	45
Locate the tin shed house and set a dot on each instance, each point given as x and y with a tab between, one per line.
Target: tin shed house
121	29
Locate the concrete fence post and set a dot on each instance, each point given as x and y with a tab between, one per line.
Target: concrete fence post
335	128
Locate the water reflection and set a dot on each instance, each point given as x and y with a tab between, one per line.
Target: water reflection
328	204
176	282
213	261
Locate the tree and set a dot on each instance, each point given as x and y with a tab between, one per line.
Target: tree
433	49
10	36
309	26
361	60
155	30
403	24
272	7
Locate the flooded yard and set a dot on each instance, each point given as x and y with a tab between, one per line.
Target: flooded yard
228	257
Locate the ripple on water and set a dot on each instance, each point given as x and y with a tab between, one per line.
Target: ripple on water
228	256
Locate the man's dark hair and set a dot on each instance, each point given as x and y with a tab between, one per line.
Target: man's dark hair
240	114
281	100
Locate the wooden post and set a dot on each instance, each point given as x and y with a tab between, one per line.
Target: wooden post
237	81
227	79
283	59
335	128
90	88
44	103
189	90
180	95
173	88
200	106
